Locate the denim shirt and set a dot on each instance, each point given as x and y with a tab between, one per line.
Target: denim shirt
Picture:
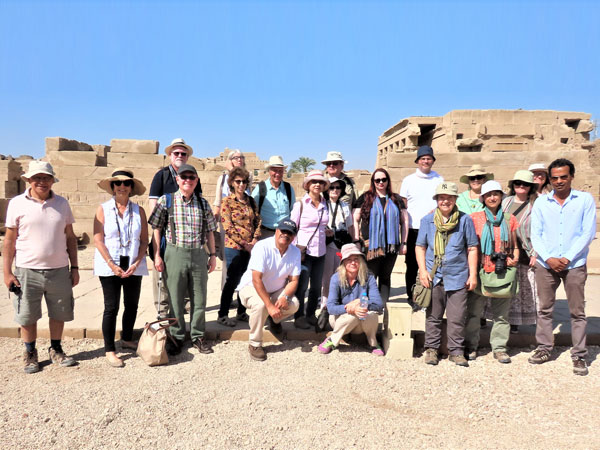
339	298
454	270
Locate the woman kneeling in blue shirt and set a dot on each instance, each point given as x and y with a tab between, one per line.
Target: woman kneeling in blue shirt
348	284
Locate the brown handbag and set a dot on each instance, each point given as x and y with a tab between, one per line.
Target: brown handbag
151	346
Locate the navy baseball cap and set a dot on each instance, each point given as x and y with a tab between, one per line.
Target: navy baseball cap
187	168
288	225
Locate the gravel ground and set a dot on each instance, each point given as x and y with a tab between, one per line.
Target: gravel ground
298	398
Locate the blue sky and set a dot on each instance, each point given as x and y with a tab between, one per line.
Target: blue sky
296	78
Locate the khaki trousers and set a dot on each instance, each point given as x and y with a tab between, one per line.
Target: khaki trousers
347	323
258	313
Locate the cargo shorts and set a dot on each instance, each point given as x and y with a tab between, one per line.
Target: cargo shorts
53	284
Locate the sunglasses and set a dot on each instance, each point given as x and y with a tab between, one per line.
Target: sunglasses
322	183
239	157
240	181
335	188
182	154
380	180
520	183
477	177
332	163
126	183
188	177
286	232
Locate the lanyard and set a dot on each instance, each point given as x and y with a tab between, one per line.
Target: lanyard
127	229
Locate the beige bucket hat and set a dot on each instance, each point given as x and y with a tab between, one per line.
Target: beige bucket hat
178	142
275	161
36	167
446	187
475	170
523	175
122	174
334	156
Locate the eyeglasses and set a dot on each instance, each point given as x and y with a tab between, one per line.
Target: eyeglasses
477	177
332	163
182	154
335	188
240	181
539	174
380	180
518	183
126	183
188	177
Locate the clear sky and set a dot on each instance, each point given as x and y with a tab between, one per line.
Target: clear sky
295	78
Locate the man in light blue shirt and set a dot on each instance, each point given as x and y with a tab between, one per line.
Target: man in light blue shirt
274	197
563	225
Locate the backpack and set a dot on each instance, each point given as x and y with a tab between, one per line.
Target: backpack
262	193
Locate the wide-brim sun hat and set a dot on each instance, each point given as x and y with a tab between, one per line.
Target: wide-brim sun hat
275	161
349	250
122	174
36	167
178	142
338	180
523	175
490	186
447	188
475	170
334	156
315	175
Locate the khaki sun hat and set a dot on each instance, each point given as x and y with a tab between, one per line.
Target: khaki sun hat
315	175
446	187
275	161
523	175
36	167
178	142
334	156
475	170
122	174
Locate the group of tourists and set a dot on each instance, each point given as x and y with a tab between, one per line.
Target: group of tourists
479	254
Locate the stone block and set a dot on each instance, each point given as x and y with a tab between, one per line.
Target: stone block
75	333
134	146
64	186
234	335
88	186
134	161
71	158
397	340
101	150
84	211
8	189
83	172
3	207
82	226
95	333
60	144
12	170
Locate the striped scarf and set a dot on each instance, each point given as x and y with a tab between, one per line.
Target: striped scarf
384	228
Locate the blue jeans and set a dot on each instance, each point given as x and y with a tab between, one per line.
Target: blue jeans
311	270
237	262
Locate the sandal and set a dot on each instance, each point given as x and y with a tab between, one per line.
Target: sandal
243	317
227	321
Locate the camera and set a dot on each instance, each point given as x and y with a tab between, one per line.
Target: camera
15	289
499	259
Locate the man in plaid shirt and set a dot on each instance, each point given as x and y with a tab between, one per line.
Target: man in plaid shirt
189	224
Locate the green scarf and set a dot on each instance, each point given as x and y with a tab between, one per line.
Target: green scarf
442	231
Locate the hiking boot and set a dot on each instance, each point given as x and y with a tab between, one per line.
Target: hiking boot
502	357
58	357
579	366
275	327
257	353
326	346
471	355
173	346
459	360
540	356
431	357
301	323
202	346
31	362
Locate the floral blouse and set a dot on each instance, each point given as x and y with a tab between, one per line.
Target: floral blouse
241	221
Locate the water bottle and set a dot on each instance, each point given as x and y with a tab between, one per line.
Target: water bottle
364	302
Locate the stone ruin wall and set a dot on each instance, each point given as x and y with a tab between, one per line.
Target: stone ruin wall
502	141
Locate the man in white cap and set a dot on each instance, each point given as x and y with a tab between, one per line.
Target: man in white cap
334	163
274	197
40	240
164	182
417	192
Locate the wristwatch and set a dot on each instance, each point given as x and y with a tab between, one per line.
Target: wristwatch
212	254
287	297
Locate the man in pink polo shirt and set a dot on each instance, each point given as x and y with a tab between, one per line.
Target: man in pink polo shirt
40	240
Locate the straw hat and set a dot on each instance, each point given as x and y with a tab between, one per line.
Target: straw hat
334	156
178	142
475	170
447	188
315	175
275	161
122	174
523	175
36	167
349	250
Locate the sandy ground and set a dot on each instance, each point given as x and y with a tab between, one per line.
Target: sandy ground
298	398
